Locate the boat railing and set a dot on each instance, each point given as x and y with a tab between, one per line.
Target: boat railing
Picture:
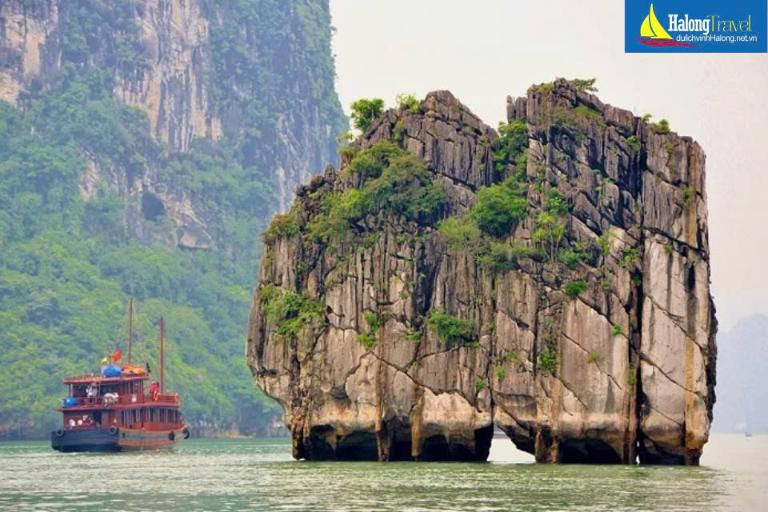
125	399
165	398
87	376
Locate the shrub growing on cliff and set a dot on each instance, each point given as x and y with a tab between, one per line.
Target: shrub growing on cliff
367	340
547	360
557	204
500	207
661	128
395	182
282	225
543	88
502	256
460	232
373	320
452	330
371	162
575	120
288	310
364	111
575	288
584	84
512	143
413	335
629	256
408	101
549	233
572	257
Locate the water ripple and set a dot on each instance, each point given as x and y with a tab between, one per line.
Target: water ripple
260	475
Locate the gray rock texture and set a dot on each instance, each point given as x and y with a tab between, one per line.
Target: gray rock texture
634	351
184	77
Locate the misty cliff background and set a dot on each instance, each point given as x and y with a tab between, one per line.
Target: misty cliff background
144	144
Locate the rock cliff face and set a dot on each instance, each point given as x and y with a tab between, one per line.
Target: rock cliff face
247	72
144	144
581	323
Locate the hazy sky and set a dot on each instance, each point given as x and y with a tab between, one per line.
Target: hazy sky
487	49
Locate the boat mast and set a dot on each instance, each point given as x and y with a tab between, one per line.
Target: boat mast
162	373
130	327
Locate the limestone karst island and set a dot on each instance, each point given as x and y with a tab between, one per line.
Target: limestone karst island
550	278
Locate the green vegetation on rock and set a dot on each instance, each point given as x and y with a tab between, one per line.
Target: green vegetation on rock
460	232
688	195
584	84
408	101
396	182
289	311
364	111
571	258
629	255
452	330
547	360
282	225
500	207
512	144
575	288
661	128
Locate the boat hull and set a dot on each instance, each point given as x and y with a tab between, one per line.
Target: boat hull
115	439
85	440
131	439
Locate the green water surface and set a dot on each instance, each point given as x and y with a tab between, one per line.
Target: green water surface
260	475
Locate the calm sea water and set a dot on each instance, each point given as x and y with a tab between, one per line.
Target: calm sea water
260	475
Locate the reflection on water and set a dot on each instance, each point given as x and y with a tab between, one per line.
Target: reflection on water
260	475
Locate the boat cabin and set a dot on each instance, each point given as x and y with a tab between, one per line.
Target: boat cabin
128	401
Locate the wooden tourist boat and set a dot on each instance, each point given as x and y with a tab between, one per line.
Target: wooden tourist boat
115	411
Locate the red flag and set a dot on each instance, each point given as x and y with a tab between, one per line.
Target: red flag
117	356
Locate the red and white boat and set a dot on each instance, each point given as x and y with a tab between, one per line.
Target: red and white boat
116	410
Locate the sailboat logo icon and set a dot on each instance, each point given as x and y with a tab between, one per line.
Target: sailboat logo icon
653	34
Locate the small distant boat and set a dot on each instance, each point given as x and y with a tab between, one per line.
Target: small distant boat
115	411
652	33
747	434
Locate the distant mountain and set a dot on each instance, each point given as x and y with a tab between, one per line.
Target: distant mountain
143	147
742	377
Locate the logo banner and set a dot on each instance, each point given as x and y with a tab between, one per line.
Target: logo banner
695	26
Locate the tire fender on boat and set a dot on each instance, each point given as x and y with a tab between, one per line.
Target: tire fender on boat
113	430
60	433
186	433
